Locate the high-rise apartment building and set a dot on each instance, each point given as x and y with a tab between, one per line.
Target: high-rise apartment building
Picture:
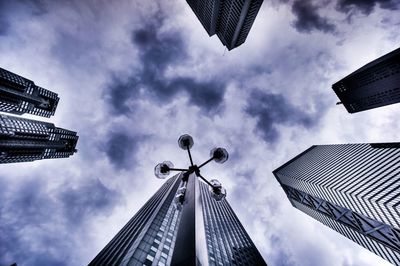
152	236
19	95
24	140
352	188
231	20
374	85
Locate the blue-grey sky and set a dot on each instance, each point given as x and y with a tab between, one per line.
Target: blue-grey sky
134	75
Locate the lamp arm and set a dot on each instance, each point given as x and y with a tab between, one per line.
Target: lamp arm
190	155
178	169
205	180
206	162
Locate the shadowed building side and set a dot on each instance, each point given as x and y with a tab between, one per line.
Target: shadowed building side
24	140
231	20
374	85
19	95
352	188
149	237
236	19
207	12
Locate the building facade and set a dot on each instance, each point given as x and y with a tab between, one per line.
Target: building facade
231	20
352	188
19	95
227	241
151	237
24	140
374	85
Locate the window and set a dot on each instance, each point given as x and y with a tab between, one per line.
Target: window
163	260
147	263
152	253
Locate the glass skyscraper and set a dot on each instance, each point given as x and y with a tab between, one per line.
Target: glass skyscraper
231	20
19	95
24	140
352	188
151	236
374	85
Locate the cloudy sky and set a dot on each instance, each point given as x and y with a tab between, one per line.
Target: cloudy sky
134	75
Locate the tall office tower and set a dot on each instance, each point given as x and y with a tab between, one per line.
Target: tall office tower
231	20
19	95
152	236
24	140
352	188
374	85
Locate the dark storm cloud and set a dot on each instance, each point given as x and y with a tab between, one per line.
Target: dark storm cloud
272	110
308	19
206	94
121	147
36	229
366	6
158	52
3	26
22	214
23	7
4	23
91	197
14	10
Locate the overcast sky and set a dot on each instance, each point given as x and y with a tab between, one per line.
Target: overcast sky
134	75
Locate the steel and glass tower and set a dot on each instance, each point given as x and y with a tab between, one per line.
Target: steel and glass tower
231	20
186	222
24	140
374	85
19	95
150	237
352	188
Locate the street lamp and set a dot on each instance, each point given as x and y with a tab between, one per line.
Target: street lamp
185	142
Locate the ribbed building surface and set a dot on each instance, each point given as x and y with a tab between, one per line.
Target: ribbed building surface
352	188
19	95
231	20
149	237
227	241
374	85
24	140
207	12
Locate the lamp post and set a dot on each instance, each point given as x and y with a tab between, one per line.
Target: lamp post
186	198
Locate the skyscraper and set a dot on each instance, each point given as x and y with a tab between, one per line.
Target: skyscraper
352	188
231	20
19	95
374	85
152	236
23	140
